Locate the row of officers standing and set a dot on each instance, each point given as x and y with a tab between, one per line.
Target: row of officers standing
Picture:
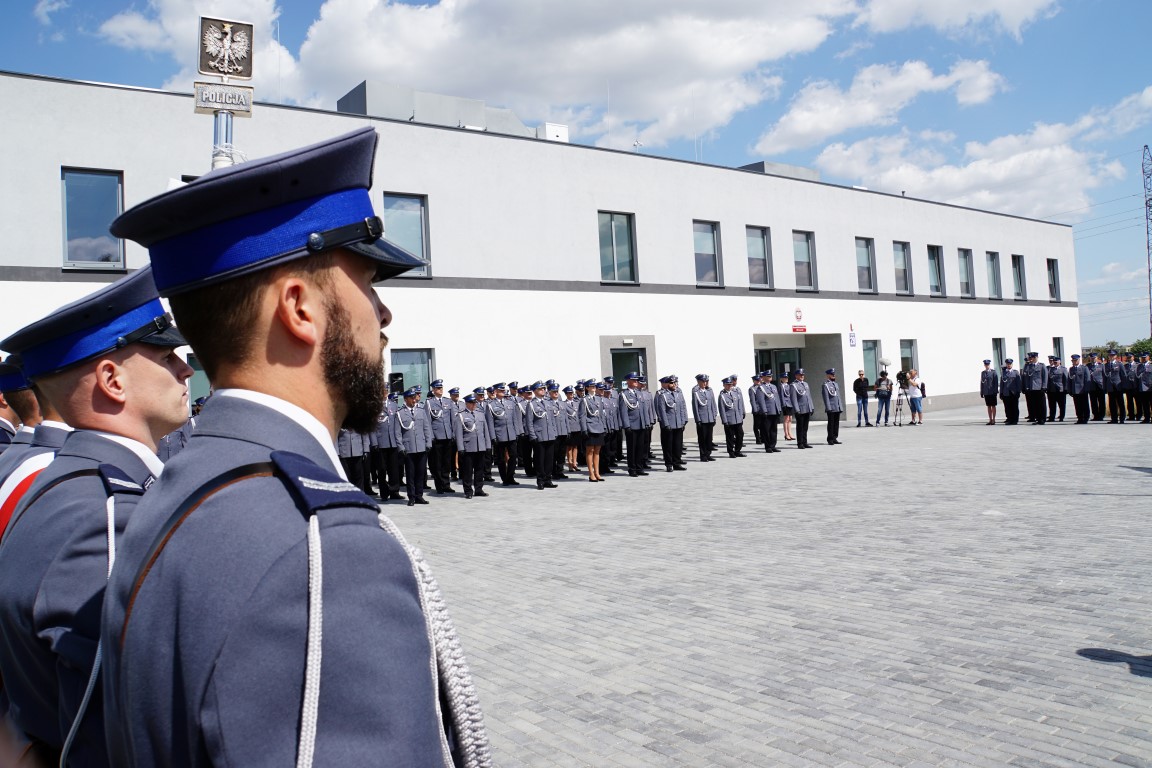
1120	389
425	443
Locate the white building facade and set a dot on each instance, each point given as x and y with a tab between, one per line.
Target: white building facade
552	260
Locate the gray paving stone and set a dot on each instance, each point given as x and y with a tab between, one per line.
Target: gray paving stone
912	597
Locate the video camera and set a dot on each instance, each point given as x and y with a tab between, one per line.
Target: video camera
902	379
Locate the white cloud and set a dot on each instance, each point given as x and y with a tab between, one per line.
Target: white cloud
45	8
1009	16
877	95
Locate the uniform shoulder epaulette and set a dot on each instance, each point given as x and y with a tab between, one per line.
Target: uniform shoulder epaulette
315	488
117	481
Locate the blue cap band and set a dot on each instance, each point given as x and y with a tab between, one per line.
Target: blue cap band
12	381
63	351
228	246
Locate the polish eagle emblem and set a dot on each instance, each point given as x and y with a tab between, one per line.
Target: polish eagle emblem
227	49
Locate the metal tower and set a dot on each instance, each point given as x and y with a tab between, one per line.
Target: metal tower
1148	224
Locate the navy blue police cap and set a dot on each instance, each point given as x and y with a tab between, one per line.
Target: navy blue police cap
454	391
251	216
437	383
554	387
1111	351
830	372
514	385
499	385
756	375
987	362
469	398
672	378
538	385
490	390
1144	354
642	379
12	375
1009	361
549	382
726	380
569	390
1077	357
664	379
798	372
478	391
125	312
411	392
632	377
609	380
580	386
418	389
767	374
701	377
522	390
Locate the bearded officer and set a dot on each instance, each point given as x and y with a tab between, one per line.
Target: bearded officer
108	364
262	612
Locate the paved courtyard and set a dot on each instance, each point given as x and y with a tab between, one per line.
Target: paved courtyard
947	595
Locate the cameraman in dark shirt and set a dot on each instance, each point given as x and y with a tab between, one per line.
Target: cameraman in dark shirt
860	388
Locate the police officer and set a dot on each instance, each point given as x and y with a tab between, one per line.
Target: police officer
632	417
541	426
472	442
108	364
1057	388
412	430
440	460
757	407
571	412
1010	393
648	419
609	455
672	413
730	404
1114	382
386	452
1096	386
803	405
1078	379
1034	385
989	389
833	405
1129	385
593	423
773	409
217	646
523	440
704	414
501	416
353	450
560	418
1144	388
9	424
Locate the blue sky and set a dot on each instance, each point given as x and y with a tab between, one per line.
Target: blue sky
1034	107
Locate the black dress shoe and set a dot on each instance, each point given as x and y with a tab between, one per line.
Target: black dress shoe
411	503
641	473
467	495
481	493
680	468
422	501
775	450
449	489
560	477
741	455
395	496
633	474
550	484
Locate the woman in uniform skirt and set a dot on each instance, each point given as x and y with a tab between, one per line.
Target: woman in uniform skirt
593	423
786	403
571	405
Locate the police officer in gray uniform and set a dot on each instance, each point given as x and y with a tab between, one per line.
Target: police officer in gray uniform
773	409
108	363
1010	393
833	405
440	461
1034	384
560	419
1114	377
672	413
1057	389
731	408
704	414
632	406
648	418
756	405
387	452
472	442
1144	388
989	389
803	405
501	416
1096	386
263	612
1078	388
353	448
541	427
412	430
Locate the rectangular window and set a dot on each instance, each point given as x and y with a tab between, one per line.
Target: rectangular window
872	359
406	224
1019	286
706	240
1053	280
617	248
998	353
92	199
804	256
1058	347
967	282
865	265
902	259
416	365
759	257
1022	343
936	271
908	355
994	275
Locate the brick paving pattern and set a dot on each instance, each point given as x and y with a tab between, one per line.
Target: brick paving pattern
950	594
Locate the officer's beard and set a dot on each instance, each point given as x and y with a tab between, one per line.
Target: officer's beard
353	377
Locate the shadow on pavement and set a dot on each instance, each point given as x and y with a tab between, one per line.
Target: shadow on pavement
1137	665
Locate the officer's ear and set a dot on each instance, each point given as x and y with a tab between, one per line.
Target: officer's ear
299	308
111	379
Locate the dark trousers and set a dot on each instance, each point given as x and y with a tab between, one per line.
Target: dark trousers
704	437
1028	400
801	424
1096	398
544	458
833	426
770	422
734	438
635	441
440	463
354	467
607	458
524	446
1056	401
506	460
672	446
1080	403
559	455
415	466
1144	405
1011	408
1037	410
645	446
1130	401
617	445
1116	407
387	461
472	465
758	427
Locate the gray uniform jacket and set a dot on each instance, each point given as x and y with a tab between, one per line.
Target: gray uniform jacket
440	411
786	394
501	416
521	416
1130	376
7	434
472	433
611	414
206	622
350	445
756	398
571	413
592	415
703	405
385	437
53	570
1077	379
1057	379
1095	377
989	383
172	443
540	421
411	430
559	416
802	397
671	410
649	408
632	407
1144	377
770	397
44	439
1010	383
731	406
1113	377
830	392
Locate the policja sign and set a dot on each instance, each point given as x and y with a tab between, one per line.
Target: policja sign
225	51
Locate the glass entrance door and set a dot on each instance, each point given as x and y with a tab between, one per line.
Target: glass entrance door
785	361
629	360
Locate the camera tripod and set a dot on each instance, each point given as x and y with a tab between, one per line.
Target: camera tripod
898	415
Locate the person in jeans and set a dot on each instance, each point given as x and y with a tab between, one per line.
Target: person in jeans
860	387
883	396
915	398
